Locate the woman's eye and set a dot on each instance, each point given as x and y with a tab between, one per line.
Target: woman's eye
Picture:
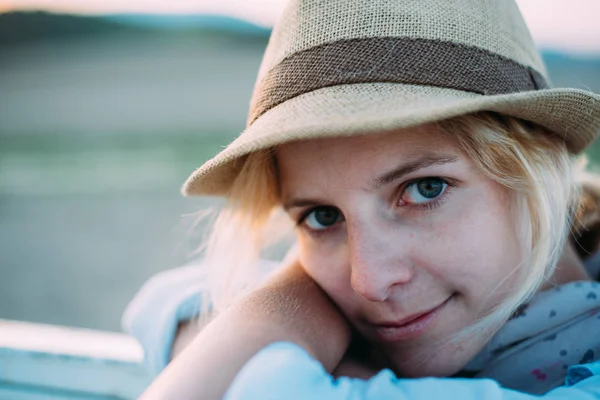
322	218
424	190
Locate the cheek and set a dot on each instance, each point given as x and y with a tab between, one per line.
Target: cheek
329	267
473	250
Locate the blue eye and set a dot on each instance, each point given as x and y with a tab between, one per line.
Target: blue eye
321	218
424	190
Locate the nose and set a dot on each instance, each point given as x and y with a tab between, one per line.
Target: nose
378	262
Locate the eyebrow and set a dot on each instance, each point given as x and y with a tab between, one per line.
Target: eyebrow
297	203
422	162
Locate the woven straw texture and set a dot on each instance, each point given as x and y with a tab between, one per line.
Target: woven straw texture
494	25
371	103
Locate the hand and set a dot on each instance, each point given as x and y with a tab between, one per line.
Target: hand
353	368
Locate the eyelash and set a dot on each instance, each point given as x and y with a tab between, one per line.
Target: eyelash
428	206
433	204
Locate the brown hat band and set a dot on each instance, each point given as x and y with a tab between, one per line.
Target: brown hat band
404	60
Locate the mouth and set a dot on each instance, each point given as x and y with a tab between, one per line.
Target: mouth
410	327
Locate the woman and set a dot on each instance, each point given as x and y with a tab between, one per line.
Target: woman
428	169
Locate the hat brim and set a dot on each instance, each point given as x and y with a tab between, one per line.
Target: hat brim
370	108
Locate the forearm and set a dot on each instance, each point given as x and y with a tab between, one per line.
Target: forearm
290	307
186	332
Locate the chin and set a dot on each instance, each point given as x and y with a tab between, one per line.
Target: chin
432	367
442	360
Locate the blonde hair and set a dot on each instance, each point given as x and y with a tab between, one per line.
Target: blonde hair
531	162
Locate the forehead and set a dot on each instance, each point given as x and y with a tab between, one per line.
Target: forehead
359	156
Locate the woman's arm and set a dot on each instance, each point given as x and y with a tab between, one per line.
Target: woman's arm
289	307
184	335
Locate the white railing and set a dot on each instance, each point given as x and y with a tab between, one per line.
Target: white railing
52	362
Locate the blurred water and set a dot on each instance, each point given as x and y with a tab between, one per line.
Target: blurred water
96	137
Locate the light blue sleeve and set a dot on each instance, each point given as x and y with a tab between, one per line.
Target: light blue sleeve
153	315
286	371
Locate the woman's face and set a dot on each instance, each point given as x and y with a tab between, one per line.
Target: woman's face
409	238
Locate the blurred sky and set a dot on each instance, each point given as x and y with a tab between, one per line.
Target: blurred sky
568	25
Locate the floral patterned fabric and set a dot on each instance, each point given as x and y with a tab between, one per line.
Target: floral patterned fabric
556	330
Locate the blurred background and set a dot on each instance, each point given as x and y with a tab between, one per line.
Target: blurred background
107	106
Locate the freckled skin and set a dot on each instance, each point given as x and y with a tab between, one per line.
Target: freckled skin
388	260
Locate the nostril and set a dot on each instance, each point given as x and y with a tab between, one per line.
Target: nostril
374	282
368	289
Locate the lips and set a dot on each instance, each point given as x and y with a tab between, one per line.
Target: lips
409	327
406	320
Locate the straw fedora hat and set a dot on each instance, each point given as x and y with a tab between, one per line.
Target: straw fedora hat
348	67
